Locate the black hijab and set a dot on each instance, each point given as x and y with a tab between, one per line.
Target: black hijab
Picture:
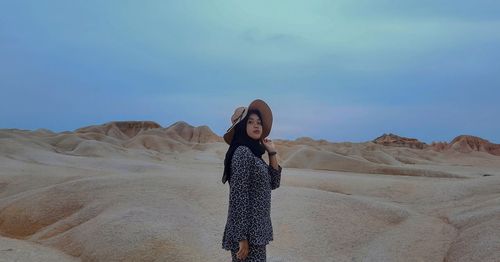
241	138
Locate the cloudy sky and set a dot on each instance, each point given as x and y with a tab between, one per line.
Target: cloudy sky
347	70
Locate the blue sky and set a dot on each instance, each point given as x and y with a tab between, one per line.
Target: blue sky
345	70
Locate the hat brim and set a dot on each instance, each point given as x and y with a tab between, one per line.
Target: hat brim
266	118
228	136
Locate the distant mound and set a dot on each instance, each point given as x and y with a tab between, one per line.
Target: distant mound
395	140
467	144
462	144
125	130
309	141
120	129
187	132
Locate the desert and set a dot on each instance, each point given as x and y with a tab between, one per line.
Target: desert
137	191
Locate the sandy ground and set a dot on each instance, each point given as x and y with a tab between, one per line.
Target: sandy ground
143	206
13	250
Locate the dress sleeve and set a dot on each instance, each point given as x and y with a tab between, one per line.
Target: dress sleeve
275	176
239	194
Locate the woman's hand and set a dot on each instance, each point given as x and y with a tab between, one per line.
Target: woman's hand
243	252
269	145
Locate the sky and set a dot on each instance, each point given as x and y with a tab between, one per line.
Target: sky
347	70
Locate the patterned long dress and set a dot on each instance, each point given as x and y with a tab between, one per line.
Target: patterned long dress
249	211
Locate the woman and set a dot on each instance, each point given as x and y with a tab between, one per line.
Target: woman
248	228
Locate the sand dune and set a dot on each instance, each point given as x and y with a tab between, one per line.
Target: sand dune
140	192
150	139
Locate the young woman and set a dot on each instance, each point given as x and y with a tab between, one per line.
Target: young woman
248	228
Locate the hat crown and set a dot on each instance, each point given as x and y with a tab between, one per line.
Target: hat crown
238	114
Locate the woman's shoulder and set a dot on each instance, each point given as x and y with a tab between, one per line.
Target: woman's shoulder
243	151
243	156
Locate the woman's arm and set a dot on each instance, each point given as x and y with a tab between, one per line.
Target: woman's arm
273	161
274	167
275	174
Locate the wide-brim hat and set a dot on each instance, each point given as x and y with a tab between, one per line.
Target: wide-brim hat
241	112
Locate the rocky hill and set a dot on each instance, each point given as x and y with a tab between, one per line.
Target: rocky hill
467	144
395	140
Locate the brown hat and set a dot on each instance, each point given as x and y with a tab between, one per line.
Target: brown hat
241	112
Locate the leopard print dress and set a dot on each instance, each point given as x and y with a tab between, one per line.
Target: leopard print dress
249	212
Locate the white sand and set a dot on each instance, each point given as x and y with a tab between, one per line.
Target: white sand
68	198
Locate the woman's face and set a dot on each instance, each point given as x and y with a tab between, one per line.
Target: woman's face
254	127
